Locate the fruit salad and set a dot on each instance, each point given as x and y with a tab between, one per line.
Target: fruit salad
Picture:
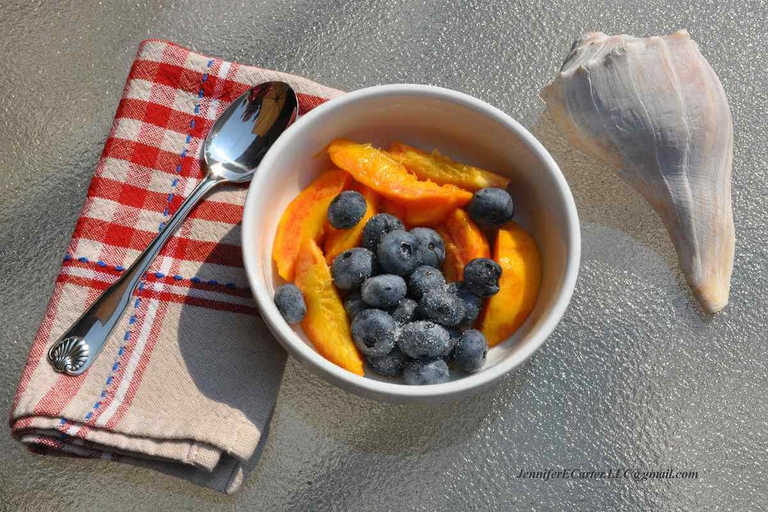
405	260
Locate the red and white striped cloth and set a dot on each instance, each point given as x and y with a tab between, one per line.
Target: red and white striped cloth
188	380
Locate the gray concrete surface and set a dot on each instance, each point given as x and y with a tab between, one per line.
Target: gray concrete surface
634	377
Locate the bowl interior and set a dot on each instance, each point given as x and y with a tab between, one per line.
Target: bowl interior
462	131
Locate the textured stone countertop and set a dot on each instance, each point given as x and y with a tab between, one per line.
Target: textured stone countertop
634	377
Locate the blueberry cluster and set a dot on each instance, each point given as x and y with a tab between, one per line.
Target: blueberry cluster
406	319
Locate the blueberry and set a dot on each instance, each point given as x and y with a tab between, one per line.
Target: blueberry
352	267
471	351
453	287
374	332
354	304
347	209
431	245
389	365
378	226
424	279
454	332
481	277
491	206
290	302
405	311
424	339
472	304
399	253
383	291
431	371
442	307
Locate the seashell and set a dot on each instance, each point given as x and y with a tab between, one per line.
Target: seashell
655	110
68	355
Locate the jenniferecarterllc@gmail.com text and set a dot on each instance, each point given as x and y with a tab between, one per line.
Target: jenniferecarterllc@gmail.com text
638	475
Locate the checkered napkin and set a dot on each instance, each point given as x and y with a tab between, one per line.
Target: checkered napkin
188	380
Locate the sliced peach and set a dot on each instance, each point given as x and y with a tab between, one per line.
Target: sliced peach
415	215
517	253
339	240
464	242
304	219
397	209
424	201
444	171
326	322
453	269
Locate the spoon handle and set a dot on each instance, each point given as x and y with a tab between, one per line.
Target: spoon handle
79	346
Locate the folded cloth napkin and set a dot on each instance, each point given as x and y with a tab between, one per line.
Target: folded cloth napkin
187	382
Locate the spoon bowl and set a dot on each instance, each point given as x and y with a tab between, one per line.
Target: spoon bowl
245	131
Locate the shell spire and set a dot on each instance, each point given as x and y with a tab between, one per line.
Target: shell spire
655	111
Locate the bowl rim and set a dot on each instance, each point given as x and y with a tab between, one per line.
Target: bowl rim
396	391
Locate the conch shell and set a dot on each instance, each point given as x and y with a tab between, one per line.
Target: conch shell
655	110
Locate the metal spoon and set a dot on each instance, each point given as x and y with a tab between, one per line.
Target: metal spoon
232	150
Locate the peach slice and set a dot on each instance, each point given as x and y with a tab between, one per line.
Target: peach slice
425	201
304	219
517	253
464	241
326	322
397	209
339	240
451	264
415	215
444	171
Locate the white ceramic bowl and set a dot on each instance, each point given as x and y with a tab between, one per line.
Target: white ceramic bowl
462	127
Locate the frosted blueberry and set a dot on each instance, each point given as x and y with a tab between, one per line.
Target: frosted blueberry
470	351
421	372
354	304
472	304
347	209
491	206
383	291
374	332
431	246
352	267
481	277
290	302
378	226
425	278
442	307
389	365
405	311
424	338
399	253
